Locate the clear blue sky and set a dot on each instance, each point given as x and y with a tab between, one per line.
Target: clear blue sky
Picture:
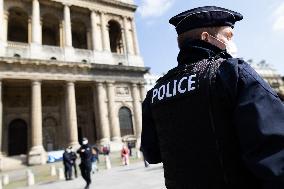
260	36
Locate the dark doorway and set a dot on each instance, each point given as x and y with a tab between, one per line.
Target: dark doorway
125	121
17	137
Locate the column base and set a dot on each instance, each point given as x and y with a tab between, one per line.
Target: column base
104	141
116	139
75	145
37	156
116	146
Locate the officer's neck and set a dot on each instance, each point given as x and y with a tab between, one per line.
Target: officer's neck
194	51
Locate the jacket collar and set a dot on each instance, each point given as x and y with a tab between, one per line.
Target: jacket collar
194	51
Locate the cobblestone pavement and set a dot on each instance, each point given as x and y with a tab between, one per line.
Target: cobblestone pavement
134	176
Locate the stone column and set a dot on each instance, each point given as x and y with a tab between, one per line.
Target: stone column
2	31
142	91
126	36
137	115
30	30
94	29
71	115
135	39
67	26
100	98
3	38
113	115
36	27
61	35
105	33
1	119
89	39
37	153
5	30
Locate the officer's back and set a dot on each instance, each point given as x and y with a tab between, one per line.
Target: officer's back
204	119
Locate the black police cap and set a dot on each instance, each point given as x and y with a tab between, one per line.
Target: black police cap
208	16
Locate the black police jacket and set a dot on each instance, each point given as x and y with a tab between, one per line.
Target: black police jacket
67	159
85	152
214	123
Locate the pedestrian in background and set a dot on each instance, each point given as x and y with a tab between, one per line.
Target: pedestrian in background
68	163
95	159
73	158
125	155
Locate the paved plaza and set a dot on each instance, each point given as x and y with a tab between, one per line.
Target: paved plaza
134	176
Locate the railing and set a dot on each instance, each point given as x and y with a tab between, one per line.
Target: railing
14	44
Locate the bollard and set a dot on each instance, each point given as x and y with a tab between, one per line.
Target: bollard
138	154
5	180
60	174
52	170
108	164
30	178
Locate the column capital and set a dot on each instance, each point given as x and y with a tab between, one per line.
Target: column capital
70	82
126	17
142	83
67	4
134	84
92	10
99	82
110	82
36	81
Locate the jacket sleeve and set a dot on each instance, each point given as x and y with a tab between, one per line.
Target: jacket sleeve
149	140
259	121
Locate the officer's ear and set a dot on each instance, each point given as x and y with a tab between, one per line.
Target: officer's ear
205	36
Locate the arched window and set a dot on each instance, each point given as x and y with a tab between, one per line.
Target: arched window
50	30
79	34
125	121
17	137
18	25
115	37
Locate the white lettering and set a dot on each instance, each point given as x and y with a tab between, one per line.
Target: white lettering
168	94
175	88
155	93
190	82
179	85
160	97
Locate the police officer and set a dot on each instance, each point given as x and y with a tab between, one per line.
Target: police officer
68	163
85	152
73	158
212	120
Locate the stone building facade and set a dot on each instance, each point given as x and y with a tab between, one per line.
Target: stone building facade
68	69
270	75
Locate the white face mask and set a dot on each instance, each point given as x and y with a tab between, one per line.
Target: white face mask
230	45
85	142
231	48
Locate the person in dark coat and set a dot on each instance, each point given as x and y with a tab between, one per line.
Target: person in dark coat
85	152
215	109
68	163
73	158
